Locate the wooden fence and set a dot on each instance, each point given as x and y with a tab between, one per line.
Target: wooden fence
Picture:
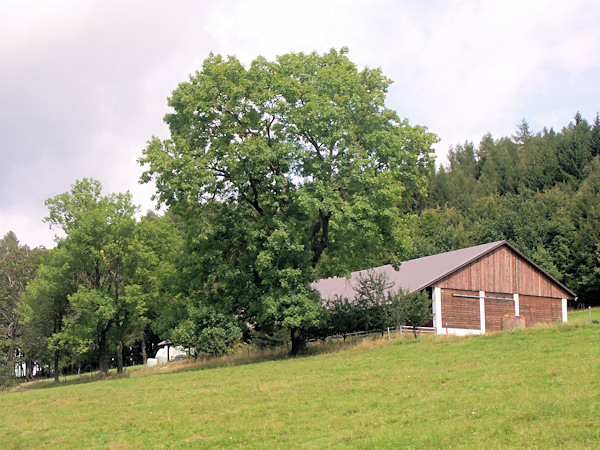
400	330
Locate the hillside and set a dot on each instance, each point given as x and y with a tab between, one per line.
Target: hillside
233	258
534	387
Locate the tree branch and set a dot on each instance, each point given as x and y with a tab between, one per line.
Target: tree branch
322	242
314	144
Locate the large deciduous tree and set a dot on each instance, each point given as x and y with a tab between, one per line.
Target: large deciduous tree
285	171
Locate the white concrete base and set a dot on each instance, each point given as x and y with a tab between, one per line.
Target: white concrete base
458	331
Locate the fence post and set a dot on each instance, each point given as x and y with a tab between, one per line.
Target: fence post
590	314
388	333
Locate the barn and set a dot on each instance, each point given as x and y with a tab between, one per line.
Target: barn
472	289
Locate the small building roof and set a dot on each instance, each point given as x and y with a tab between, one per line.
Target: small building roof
420	273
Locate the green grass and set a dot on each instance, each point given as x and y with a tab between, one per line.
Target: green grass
582	315
537	387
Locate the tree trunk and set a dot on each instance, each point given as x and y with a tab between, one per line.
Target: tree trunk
298	342
11	333
103	359
322	242
57	321
56	367
28	369
144	354
10	356
120	357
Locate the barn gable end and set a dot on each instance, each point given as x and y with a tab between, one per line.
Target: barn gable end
504	270
500	283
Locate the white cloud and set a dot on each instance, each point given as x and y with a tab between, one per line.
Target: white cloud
84	84
478	63
31	232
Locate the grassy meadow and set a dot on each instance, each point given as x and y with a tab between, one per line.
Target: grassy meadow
538	387
583	315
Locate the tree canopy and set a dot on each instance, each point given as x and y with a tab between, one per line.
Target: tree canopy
291	170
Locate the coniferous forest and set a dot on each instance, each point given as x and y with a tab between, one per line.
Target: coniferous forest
275	176
540	191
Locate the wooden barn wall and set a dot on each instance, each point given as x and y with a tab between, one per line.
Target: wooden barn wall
503	271
460	312
540	309
496	309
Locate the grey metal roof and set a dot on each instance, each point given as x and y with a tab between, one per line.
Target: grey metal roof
417	274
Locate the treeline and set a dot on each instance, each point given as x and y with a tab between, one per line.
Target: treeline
275	176
88	303
539	191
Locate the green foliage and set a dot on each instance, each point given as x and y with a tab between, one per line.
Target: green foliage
111	269
285	172
539	191
275	175
206	332
573	150
412	309
371	301
44	306
18	266
373	307
343	316
7	376
595	137
262	340
438	230
583	270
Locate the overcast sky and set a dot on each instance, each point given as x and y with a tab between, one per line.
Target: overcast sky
84	84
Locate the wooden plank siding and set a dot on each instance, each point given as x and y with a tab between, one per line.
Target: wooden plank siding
540	309
502	270
460	312
496	309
